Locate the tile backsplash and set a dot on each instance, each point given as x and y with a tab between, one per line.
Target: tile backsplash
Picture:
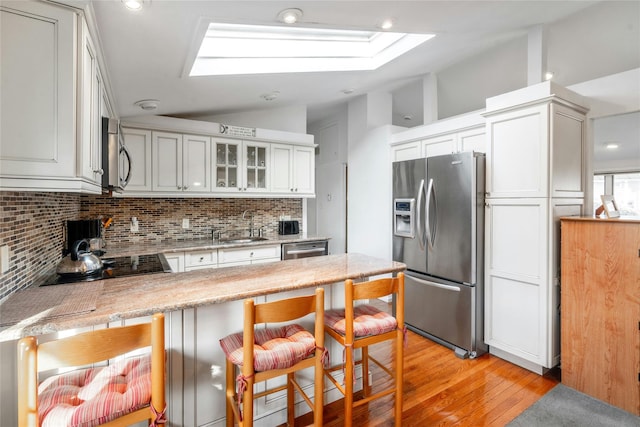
33	224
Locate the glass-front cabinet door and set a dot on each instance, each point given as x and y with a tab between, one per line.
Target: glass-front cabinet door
227	163
256	166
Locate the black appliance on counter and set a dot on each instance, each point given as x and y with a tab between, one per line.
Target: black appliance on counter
82	229
288	227
117	267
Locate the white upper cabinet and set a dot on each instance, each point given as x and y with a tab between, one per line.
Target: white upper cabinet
293	169
51	100
407	151
37	97
444	144
90	111
138	142
536	150
180	162
240	166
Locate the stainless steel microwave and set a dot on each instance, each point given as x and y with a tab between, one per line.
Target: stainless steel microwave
116	160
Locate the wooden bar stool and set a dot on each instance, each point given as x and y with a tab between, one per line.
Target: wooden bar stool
361	326
120	394
262	354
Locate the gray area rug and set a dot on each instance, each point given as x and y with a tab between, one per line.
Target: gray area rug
565	407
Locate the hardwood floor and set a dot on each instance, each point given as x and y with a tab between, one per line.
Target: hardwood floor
442	390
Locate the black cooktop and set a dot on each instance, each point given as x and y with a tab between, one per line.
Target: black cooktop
117	267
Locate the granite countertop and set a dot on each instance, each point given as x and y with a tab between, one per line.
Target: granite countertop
142	295
199	244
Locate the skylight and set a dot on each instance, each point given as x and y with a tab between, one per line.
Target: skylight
253	49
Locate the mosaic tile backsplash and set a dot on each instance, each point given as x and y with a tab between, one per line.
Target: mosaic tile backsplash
32	224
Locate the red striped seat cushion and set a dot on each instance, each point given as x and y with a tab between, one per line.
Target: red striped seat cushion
89	397
274	348
368	320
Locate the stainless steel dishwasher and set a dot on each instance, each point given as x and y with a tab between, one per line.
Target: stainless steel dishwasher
305	249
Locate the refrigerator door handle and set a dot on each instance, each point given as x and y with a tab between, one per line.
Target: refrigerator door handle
421	238
434	284
431	238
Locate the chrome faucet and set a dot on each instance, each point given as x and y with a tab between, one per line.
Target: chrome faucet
244	214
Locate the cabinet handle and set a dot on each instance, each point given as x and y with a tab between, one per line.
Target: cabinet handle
296	190
99	171
291	189
179	188
251	254
185	187
201	258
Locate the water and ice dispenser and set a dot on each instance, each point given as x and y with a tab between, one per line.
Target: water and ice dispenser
404	217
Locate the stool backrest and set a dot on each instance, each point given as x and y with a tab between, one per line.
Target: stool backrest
83	349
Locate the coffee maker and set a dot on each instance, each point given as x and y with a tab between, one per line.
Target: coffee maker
90	229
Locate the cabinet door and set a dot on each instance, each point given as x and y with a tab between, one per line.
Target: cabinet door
567	158
256	161
166	152
516	278
176	262
408	151
37	100
517	153
138	142
89	110
473	140
304	159
281	172
227	158
196	171
445	144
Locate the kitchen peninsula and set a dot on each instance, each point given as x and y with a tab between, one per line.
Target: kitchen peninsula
142	295
201	307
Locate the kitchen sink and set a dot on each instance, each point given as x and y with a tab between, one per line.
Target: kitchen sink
243	240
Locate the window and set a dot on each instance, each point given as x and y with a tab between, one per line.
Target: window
251	49
624	186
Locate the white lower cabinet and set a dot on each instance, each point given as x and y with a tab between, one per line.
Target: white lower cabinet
522	279
243	256
198	260
176	261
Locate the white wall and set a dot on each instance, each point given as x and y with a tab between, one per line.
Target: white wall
369	185
327	213
290	119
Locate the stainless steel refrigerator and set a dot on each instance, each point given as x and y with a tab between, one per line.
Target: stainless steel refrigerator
438	232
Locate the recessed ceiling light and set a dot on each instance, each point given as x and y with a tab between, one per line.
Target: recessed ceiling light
290	16
147	104
348	91
612	145
387	24
133	4
408	117
548	75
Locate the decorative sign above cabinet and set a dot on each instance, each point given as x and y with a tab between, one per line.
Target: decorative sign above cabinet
242	132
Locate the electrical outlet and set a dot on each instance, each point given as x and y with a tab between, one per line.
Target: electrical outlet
185	223
4	259
134	224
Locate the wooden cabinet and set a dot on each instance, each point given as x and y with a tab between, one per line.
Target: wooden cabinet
601	309
292	169
531	183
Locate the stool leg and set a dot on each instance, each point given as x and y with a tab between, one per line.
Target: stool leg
348	387
230	392
366	387
399	376
291	409
318	393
